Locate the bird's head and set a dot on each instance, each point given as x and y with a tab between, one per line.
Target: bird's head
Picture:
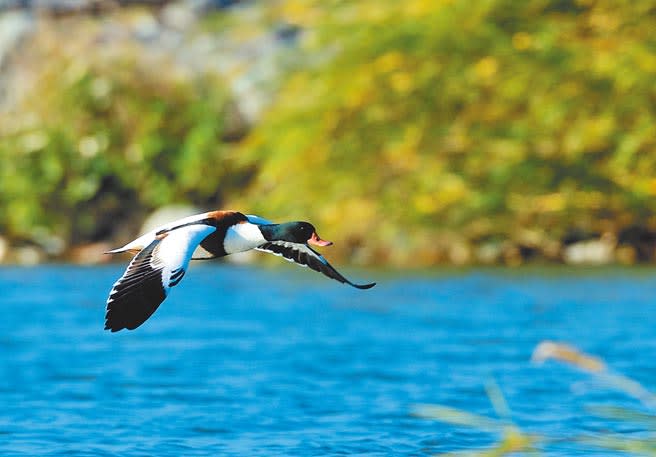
294	232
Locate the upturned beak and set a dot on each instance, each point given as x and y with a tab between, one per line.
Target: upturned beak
314	239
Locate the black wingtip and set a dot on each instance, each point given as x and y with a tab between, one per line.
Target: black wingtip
112	325
364	286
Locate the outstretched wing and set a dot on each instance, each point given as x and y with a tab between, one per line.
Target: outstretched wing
150	275
304	255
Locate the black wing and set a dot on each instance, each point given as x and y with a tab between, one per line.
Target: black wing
304	255
138	293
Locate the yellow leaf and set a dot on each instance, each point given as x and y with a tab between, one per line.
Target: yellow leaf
486	68
522	41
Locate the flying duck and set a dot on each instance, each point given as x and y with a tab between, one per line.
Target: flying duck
163	255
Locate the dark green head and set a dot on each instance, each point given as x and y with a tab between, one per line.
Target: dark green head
293	232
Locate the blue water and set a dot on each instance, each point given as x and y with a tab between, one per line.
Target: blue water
256	361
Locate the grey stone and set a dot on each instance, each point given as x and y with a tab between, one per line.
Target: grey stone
4	248
14	25
166	214
592	252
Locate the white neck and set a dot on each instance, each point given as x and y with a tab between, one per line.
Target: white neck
242	237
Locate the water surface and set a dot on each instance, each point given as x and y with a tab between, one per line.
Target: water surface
253	361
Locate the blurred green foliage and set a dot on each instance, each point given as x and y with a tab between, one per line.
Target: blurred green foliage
106	137
429	124
417	131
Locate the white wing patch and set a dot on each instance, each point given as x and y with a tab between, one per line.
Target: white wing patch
175	250
150	275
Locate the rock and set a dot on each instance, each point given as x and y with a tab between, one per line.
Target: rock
250	64
4	249
14	25
50	243
12	4
145	27
68	7
592	252
489	253
178	16
460	253
27	255
63	6
92	253
166	214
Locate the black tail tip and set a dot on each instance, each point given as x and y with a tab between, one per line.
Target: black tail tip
364	286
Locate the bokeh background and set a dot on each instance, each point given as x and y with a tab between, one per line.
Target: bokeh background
411	133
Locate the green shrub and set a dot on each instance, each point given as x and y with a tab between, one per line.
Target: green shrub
427	123
105	136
